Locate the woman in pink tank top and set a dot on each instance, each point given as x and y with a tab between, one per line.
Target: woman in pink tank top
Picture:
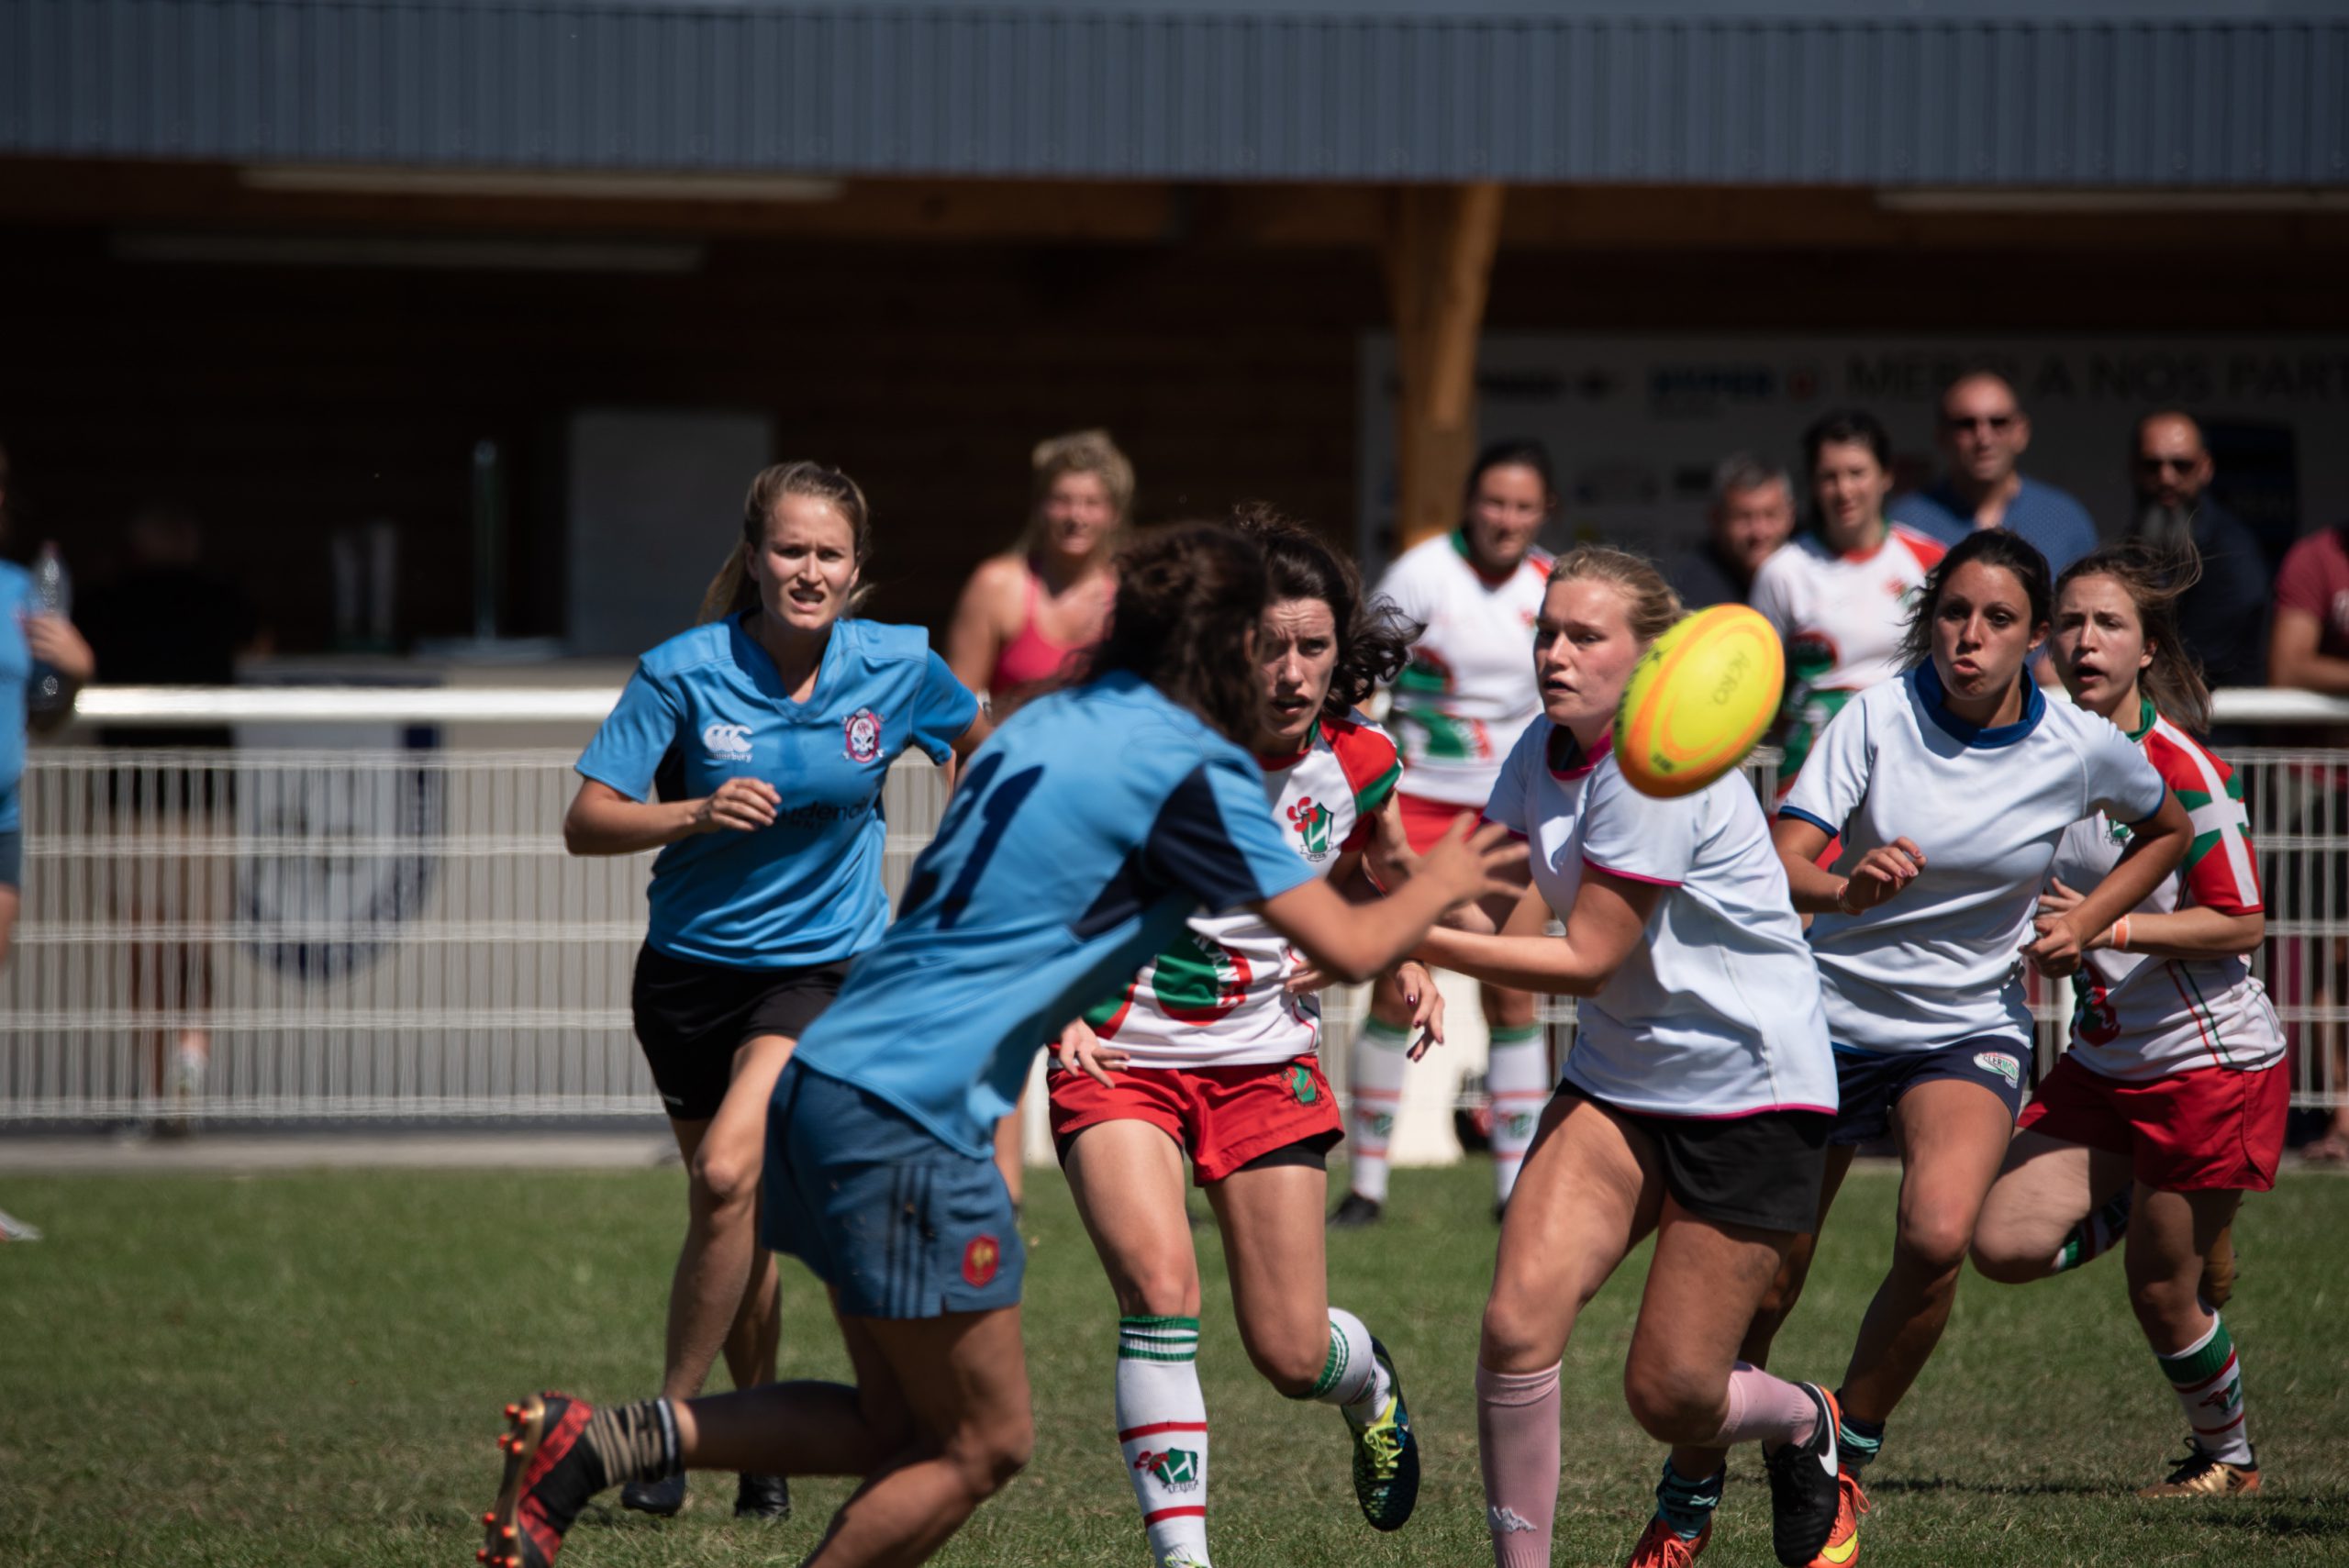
1025	612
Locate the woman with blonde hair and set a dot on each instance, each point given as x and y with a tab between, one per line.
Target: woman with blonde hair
750	752
1027	613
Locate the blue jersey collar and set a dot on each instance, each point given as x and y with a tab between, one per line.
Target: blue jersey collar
1926	683
752	659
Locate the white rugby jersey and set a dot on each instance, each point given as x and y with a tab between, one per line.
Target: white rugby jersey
1215	998
1841	619
1717	1012
2140	1017
1469	691
1941	961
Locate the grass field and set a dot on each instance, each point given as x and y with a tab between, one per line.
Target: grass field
307	1369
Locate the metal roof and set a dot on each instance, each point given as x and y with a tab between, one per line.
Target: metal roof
1944	93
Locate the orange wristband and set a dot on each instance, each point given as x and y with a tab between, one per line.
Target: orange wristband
2119	934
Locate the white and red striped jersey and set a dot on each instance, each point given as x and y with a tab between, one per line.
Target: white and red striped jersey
2140	1017
1215	996
1468	691
1841	619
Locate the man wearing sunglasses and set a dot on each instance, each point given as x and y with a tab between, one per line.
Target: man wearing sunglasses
2223	617
1984	433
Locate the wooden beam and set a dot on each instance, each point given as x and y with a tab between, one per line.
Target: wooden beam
1439	253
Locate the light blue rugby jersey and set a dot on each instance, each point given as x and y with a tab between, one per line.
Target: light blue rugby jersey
1089	827
15	668
707	705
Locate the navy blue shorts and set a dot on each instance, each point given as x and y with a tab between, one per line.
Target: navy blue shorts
12	858
1871	1081
893	1220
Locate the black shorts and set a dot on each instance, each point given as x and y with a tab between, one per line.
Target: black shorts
691	1019
1870	1083
12	857
1763	1171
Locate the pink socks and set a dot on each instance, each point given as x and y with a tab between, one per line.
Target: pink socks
1762	1408
1517	1442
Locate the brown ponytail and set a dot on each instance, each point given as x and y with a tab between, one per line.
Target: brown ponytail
2154	580
731	591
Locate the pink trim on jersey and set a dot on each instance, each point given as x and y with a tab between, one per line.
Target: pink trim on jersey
1627	875
1726	1116
1560	734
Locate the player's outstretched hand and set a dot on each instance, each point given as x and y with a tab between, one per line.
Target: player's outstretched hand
1469	866
743	805
1081	1051
1426	1002
1882	873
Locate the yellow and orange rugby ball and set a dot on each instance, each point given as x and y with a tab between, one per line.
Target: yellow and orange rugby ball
1699	699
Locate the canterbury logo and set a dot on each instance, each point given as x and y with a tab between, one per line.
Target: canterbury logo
727	742
1506	1522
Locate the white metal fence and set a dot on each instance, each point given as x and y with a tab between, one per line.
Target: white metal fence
354	913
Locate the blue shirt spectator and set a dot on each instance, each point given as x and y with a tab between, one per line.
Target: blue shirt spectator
1984	433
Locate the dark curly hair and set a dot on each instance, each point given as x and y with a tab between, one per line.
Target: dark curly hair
1991	547
1373	639
1188	602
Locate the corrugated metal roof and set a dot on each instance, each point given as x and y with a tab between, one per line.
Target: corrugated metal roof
1943	92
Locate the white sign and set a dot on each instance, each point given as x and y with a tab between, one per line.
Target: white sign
1636	423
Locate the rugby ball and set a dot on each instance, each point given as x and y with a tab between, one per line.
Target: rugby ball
1698	700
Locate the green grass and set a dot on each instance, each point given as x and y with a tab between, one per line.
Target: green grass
307	1369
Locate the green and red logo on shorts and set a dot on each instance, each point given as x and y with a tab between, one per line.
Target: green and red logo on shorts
1301	1084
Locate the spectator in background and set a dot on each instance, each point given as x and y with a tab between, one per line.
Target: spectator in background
1984	433
163	620
2223	617
2309	648
1840	594
1752	514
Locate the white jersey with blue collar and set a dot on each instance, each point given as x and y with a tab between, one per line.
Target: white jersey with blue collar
1716	1013
1941	961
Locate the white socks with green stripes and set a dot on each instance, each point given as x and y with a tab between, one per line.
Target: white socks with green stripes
1352	1378
2209	1385
1517	1074
1381	1057
1163	1431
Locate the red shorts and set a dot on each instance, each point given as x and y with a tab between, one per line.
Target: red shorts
1222	1117
1424	820
2211	1129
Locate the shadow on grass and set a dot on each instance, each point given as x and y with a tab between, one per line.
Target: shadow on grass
2297	1520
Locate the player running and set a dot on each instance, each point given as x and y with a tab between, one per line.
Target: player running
1085	835
2171	1103
750	752
1210	1052
1694	1104
1840	592
1457	708
1950	788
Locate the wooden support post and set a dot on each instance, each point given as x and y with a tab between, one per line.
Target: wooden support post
1439	252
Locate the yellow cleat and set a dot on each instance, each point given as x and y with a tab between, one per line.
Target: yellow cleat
1843	1548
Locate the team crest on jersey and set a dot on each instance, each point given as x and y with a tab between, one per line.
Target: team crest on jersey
1199	979
1313	823
1175	1469
980	1260
1999	1063
863	735
727	742
2118	832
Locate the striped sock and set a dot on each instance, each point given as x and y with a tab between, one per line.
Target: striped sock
1687	1505
1380	1060
2208	1384
1351	1375
1518	1075
1162	1432
1856	1441
2097	1234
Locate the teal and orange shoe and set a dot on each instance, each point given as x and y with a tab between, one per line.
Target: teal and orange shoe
1386	1456
1660	1546
1843	1548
